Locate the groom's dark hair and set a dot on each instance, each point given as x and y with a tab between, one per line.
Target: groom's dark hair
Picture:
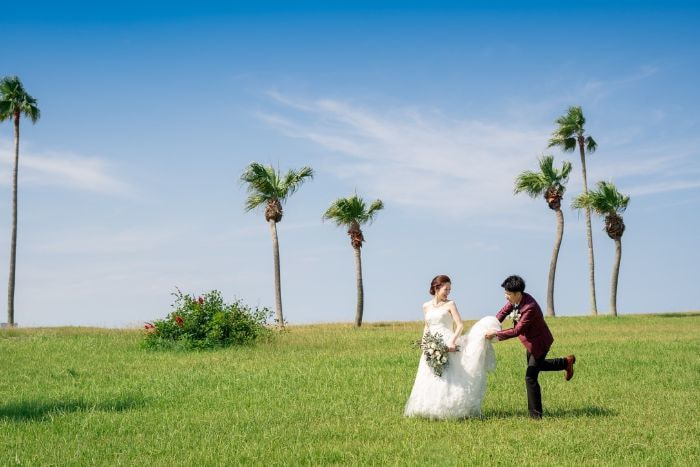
514	284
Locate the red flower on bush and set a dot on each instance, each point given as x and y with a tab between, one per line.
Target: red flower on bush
150	328
201	301
179	321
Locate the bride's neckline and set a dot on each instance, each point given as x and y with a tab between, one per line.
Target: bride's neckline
437	307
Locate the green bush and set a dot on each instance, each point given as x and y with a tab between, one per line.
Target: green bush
206	322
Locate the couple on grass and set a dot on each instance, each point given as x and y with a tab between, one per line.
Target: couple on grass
459	391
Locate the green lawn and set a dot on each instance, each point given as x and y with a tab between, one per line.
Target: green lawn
332	394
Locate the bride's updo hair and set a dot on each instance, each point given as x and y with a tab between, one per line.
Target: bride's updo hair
438	282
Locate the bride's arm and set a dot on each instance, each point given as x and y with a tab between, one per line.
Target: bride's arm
459	325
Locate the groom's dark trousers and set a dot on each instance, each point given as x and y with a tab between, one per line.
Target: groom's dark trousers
534	366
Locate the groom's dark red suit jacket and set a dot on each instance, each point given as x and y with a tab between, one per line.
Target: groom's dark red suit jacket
530	328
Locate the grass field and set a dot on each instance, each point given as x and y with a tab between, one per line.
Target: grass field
330	394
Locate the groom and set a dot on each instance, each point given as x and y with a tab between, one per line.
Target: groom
530	327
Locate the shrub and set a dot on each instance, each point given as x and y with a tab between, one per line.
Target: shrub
206	322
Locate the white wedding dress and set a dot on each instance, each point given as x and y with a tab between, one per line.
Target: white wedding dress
458	393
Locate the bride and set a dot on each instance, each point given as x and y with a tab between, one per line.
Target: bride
458	393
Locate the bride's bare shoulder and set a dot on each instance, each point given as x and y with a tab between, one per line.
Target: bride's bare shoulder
426	305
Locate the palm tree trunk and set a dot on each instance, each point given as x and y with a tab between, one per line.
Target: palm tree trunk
360	290
615	274
589	234
553	262
13	238
278	287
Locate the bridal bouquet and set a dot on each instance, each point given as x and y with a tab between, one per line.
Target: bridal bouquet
435	351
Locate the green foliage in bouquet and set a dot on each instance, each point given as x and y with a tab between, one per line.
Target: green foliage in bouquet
206	322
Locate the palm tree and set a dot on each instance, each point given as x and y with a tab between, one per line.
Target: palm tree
268	186
607	201
550	183
570	134
353	212
14	103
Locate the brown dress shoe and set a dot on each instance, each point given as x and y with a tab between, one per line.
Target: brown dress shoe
570	360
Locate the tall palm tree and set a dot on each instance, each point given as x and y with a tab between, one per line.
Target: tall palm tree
570	134
353	212
550	183
607	201
266	185
15	103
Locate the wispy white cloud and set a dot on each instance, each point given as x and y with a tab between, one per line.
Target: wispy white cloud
633	164
645	169
597	89
64	169
106	242
413	157
457	167
591	91
662	187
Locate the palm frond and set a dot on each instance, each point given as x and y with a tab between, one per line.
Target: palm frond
575	115
341	212
547	167
532	183
582	201
604	200
254	201
566	170
567	144
591	145
614	201
537	183
266	184
293	179
4	110
15	100
32	112
569	127
352	210
374	208
260	180
566	129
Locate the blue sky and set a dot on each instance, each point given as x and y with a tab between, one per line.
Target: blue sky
129	182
